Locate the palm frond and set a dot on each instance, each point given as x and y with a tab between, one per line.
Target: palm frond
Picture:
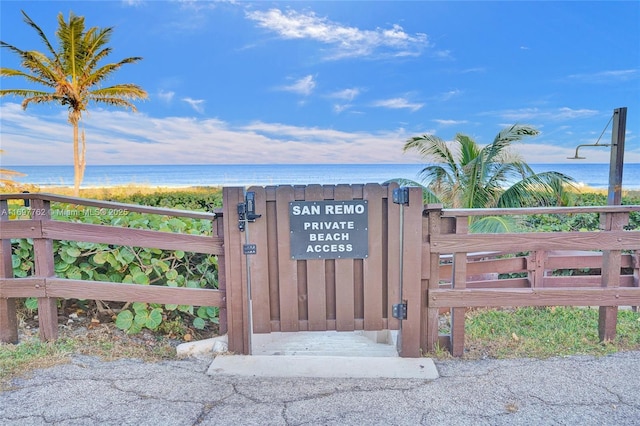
41	33
493	225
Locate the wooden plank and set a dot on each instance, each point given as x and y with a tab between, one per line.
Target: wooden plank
480	267
8	312
412	293
372	265
459	282
442	298
608	315
605	240
317	295
540	210
303	312
393	257
330	272
110	207
272	247
237	314
218	226
287	267
345	309
27	228
44	268
430	322
537	260
72	231
584	281
259	263
117	292
132	237
22	287
303	297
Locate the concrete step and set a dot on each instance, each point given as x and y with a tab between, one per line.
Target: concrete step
324	367
325	343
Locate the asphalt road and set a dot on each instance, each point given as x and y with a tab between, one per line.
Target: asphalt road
560	391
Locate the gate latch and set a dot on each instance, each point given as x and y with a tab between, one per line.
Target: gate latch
247	210
249	249
399	311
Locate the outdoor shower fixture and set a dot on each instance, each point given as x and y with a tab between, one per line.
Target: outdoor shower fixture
616	161
576	157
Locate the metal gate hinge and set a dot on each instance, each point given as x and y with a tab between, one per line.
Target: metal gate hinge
401	195
399	311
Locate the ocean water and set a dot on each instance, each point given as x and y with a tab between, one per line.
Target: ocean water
593	175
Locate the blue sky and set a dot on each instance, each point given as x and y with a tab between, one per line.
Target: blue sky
337	82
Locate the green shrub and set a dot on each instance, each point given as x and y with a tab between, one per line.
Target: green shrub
134	265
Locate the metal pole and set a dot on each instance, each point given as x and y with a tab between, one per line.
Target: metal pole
614	197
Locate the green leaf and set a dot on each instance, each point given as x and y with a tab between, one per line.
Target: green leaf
124	320
15	261
140	278
73	252
100	258
139	307
31	303
74	273
170	307
154	319
199	323
171	274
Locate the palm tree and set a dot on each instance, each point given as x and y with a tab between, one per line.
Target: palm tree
72	76
469	176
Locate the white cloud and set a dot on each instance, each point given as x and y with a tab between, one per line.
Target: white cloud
347	41
450	122
121	137
196	104
345	94
398	103
303	86
612	76
166	97
558	114
450	94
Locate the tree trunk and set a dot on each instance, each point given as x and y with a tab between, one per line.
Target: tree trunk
79	163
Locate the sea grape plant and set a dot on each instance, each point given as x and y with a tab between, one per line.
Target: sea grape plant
133	265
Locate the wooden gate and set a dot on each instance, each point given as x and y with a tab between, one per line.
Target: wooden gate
340	294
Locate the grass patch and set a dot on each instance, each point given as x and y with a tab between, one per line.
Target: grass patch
31	355
106	342
545	332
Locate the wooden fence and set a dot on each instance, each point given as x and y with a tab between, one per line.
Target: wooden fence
48	288
422	256
457	280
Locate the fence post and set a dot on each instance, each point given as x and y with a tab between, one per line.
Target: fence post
459	281
237	298
635	260
218	231
44	265
412	292
8	316
434	213
611	260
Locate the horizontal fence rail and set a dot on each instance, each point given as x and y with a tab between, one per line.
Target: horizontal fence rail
47	287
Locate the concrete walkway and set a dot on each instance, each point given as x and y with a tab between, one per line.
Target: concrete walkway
559	391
